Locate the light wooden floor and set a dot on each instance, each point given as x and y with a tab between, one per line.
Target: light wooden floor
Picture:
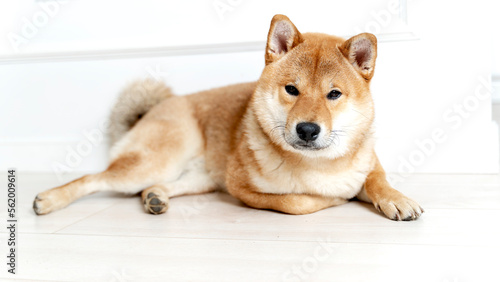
108	237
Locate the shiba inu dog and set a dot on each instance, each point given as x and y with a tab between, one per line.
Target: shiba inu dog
298	140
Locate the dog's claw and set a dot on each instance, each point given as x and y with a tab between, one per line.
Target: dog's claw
409	218
399	209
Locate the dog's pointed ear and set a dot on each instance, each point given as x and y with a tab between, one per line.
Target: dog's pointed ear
282	37
361	52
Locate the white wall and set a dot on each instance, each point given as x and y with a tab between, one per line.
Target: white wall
103	25
58	85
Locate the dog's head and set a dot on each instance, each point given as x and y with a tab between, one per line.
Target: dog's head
313	97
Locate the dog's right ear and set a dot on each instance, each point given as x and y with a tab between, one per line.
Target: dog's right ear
282	37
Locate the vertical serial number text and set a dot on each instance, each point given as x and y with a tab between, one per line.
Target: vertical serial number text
11	221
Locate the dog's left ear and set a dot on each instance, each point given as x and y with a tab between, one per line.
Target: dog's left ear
361	52
282	37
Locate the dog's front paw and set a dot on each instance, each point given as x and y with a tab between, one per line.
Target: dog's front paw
399	207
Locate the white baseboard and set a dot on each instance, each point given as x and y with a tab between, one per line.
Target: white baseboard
167	51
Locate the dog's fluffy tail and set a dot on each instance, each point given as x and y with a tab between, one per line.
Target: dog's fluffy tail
133	103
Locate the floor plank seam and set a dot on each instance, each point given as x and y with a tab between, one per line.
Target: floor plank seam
92	214
272	241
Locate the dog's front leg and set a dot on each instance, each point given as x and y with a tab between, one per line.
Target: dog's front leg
286	203
386	199
290	203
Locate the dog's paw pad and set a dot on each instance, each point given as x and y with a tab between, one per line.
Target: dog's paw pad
154	205
155	202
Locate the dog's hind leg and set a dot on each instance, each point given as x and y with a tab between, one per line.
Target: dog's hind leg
122	175
155	199
193	180
155	151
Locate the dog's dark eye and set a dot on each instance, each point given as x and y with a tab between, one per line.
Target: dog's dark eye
290	89
334	94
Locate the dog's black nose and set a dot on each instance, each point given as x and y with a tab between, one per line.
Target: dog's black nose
308	131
